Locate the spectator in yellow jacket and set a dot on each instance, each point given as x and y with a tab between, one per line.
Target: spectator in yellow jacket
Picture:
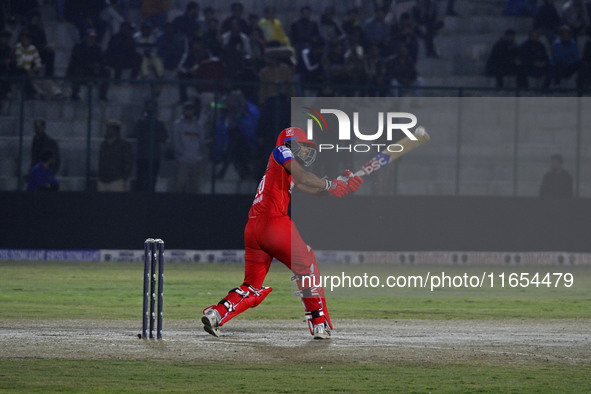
272	28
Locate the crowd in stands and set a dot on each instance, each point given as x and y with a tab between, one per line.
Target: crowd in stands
566	30
259	61
200	45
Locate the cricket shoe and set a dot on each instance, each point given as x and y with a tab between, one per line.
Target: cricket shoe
211	322
321	331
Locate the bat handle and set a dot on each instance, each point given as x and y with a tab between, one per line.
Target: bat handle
345	179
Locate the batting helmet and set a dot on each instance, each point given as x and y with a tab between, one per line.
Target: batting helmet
294	133
293	138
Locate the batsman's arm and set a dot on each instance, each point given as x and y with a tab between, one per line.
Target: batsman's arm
306	181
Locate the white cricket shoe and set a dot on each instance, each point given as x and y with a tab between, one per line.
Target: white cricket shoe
321	331
211	322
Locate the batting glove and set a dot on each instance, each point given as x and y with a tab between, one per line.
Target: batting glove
353	182
337	188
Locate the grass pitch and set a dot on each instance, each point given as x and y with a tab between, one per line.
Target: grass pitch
112	291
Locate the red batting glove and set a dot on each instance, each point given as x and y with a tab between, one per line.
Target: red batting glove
337	188
353	182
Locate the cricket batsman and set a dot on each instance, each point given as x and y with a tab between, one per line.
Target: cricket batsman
270	233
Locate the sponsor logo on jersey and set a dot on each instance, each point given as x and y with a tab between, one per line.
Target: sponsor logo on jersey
286	152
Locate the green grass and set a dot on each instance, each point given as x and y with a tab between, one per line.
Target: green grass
140	376
41	290
113	291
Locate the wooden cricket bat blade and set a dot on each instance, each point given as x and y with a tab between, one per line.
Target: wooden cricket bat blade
394	151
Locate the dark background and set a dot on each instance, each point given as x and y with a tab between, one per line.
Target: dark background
73	220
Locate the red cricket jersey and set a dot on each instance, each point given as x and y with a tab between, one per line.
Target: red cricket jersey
274	191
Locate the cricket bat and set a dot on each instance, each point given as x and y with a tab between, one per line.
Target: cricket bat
394	151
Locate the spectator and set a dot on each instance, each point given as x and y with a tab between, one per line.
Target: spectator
38	38
257	48
376	72
427	24
273	75
351	25
503	58
7	63
86	15
189	63
236	40
520	8
247	80
145	41
123	7
272	28
534	60
42	142
238	124
404	34
557	182
329	29
547	20
111	16
236	10
212	39
355	69
253	25
335	59
170	47
208	15
575	16
151	134
115	160
275	115
403	74
376	30
28	62
585	69
310	65
210	74
87	61
564	58
155	12
20	9
450	8
189	144
121	52
304	30
187	23
41	177
3	15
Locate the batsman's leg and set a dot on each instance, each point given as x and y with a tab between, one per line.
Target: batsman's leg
307	278
292	251
248	295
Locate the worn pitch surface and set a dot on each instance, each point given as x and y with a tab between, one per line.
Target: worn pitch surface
267	341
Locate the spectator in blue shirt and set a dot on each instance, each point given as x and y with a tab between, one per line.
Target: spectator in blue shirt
565	59
376	30
41	177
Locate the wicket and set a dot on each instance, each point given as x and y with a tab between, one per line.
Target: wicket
153	253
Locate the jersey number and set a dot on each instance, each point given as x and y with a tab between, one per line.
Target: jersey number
261	185
259	195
